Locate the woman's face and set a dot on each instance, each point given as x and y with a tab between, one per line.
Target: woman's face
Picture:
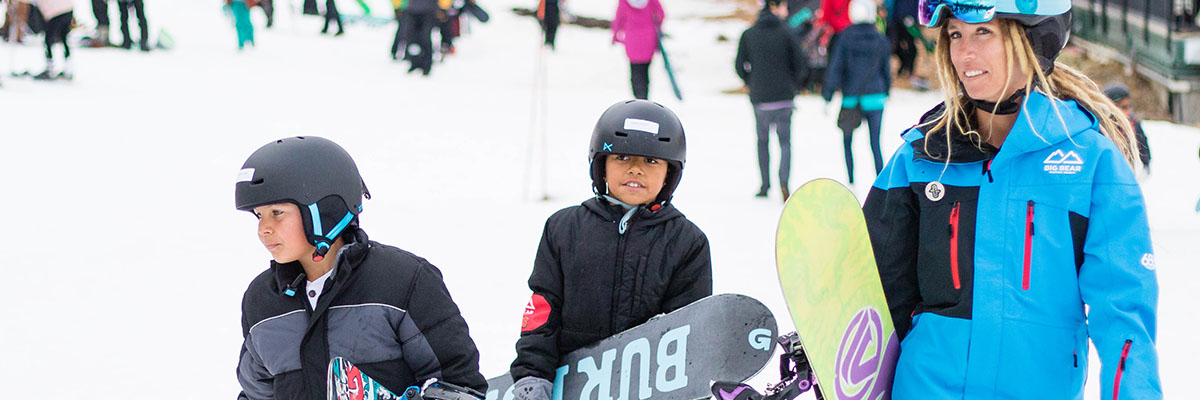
977	53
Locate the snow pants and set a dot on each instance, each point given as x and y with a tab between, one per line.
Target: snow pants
241	21
420	26
874	121
781	119
639	78
140	10
56	32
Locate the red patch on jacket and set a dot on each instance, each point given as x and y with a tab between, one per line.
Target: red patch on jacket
537	311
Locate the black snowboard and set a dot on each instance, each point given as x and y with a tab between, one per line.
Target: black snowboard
725	337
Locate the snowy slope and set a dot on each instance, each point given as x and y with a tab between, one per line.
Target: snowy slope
127	260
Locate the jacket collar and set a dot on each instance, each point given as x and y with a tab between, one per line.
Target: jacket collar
1037	127
346	260
643	216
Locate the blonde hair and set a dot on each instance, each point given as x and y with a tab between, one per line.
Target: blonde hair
1064	83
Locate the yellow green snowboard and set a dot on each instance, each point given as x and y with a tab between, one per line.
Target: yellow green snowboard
829	278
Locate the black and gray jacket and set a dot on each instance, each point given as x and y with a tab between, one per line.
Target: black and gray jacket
364	316
590	282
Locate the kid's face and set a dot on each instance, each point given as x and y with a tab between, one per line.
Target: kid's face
977	52
281	230
634	179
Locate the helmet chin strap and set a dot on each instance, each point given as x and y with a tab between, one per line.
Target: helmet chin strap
1011	105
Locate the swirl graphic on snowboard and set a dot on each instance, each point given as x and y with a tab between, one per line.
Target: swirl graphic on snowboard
865	362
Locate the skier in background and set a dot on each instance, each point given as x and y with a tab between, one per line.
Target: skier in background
100	11
139	8
58	15
332	292
332	15
577	296
1009	228
1119	94
834	14
399	42
241	22
550	15
637	25
860	67
771	64
420	19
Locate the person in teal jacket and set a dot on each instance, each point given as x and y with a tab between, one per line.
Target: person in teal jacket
1009	228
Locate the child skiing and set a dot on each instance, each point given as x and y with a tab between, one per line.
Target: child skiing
331	292
619	258
1009	229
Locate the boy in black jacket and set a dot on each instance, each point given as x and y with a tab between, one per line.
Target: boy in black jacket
770	62
619	258
331	292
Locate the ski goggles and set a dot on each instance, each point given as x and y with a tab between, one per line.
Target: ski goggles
929	12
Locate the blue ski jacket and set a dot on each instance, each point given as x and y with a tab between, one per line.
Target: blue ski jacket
999	264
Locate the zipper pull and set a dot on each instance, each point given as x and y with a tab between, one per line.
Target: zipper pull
987	170
1029	216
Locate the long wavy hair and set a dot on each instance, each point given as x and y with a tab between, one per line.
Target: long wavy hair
1063	83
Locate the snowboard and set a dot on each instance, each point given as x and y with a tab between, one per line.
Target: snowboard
676	355
667	65
344	381
831	283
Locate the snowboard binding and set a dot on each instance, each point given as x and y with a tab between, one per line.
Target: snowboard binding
795	376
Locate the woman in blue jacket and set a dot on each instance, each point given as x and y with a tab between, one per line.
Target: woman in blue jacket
1009	229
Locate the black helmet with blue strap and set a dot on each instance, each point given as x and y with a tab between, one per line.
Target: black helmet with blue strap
312	172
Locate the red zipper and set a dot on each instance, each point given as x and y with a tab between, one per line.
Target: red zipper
1028	242
954	246
1121	369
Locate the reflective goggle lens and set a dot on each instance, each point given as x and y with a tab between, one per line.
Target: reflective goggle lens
929	12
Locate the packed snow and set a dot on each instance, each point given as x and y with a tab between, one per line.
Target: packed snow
128	261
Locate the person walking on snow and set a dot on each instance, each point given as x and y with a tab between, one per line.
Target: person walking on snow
860	67
637	25
1009	228
771	64
332	292
591	255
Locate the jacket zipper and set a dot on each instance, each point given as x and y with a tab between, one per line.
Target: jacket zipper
1121	369
1028	243
954	246
620	276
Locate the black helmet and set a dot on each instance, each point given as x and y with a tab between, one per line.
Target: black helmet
639	128
312	172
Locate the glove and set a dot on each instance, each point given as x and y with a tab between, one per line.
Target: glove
533	388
